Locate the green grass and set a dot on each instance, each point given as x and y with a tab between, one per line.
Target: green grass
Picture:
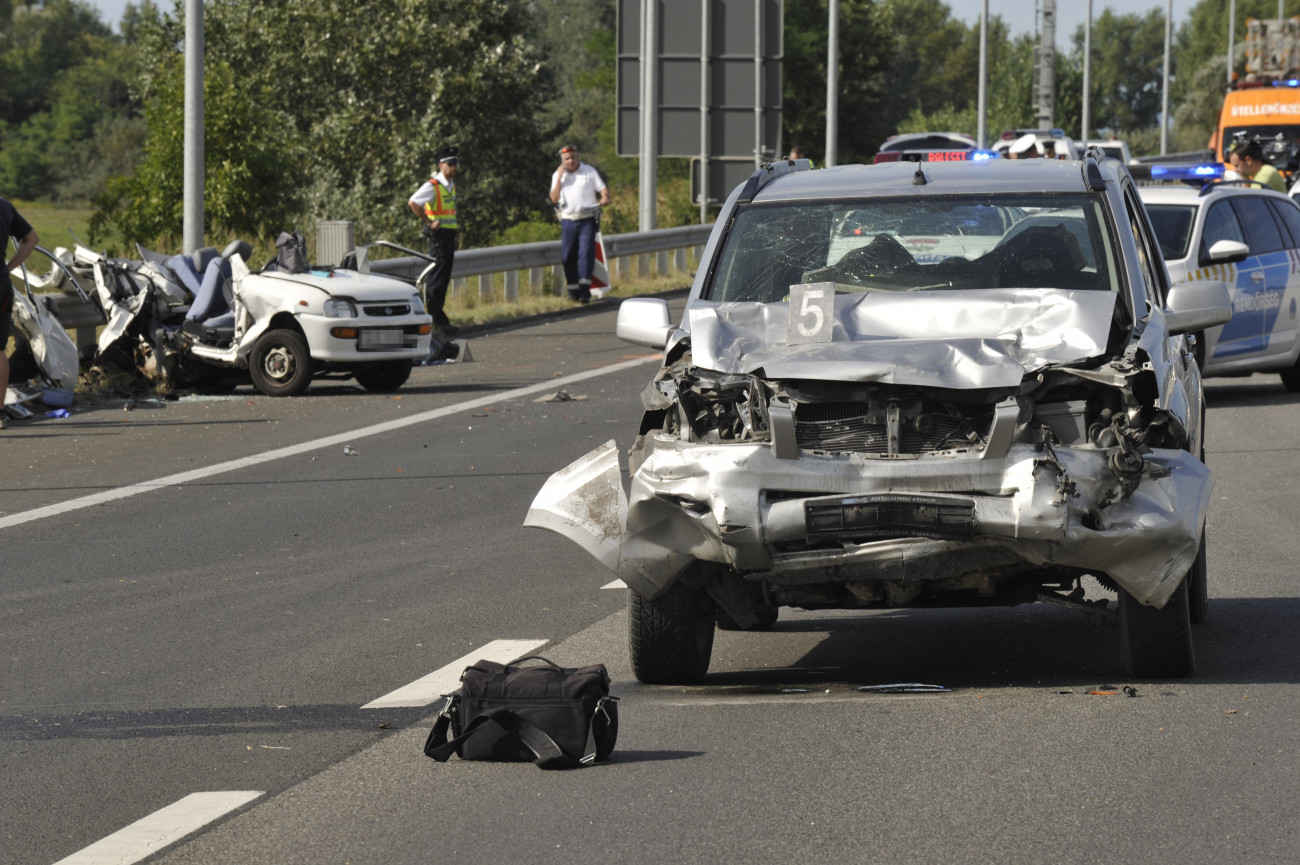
52	222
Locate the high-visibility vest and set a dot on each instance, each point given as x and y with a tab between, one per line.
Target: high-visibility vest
443	206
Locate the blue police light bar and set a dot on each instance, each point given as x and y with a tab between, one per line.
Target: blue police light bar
1211	171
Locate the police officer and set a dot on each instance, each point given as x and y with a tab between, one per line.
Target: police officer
435	204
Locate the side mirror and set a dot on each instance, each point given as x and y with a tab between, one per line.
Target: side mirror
1227	252
644	321
1194	306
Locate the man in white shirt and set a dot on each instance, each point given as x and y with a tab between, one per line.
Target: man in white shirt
578	190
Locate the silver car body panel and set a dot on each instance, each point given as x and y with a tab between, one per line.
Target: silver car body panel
962	339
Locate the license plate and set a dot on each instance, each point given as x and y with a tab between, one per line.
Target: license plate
372	338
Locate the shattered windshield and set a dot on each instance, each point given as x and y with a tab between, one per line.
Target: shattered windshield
958	242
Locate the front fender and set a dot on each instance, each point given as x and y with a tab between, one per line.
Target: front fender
585	503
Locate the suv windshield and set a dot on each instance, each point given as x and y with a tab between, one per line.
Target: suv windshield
959	242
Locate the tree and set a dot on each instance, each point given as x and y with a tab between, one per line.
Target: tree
351	101
251	168
65	88
1127	70
866	52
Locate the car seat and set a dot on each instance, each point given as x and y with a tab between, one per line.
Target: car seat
212	314
1043	257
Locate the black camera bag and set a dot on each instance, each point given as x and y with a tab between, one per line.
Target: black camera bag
554	716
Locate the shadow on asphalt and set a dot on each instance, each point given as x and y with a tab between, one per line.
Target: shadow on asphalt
1244	641
1220	393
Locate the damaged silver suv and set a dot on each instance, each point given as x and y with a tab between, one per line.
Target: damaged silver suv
912	385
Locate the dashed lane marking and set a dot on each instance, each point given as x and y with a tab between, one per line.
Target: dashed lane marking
105	496
424	691
150	834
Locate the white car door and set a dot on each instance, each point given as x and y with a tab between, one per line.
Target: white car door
1285	325
1241	338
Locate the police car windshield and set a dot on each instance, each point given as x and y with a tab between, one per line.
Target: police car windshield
937	243
1173	225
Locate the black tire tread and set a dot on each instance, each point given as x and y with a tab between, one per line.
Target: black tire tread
670	638
1157	644
384	376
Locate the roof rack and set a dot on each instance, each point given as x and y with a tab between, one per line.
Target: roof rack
769	171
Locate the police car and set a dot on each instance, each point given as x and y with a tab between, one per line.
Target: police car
1249	239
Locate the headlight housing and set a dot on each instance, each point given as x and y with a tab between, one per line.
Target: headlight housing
337	307
417	304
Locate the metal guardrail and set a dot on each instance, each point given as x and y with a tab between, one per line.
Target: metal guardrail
532	256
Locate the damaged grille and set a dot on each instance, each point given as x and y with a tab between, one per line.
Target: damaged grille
860	427
864	518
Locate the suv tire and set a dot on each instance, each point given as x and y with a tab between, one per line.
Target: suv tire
1157	644
670	637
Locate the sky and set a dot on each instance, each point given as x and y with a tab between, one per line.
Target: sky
1020	14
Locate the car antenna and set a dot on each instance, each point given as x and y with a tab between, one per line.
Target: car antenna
918	179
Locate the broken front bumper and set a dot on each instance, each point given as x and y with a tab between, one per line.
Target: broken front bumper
847	518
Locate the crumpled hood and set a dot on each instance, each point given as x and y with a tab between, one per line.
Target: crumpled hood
952	339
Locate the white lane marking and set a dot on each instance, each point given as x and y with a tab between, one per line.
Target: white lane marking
148	835
106	496
426	690
616	584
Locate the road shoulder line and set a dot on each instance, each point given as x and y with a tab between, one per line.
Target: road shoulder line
162	828
105	496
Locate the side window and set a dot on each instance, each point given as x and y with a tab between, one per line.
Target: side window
1262	234
1220	224
1148	252
1289	213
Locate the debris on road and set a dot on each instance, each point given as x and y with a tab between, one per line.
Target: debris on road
903	688
560	396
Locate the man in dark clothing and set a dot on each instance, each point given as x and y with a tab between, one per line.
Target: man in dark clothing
12	225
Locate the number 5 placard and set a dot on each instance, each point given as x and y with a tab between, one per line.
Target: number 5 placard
812	313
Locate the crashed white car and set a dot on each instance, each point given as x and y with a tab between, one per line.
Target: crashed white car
867	428
194	319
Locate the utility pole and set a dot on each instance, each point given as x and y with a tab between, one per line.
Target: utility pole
832	82
1164	98
649	113
1045	93
982	135
192	193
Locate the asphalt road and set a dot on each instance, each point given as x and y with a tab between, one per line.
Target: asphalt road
220	631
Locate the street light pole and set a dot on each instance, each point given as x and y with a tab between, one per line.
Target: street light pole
1164	99
192	191
832	82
